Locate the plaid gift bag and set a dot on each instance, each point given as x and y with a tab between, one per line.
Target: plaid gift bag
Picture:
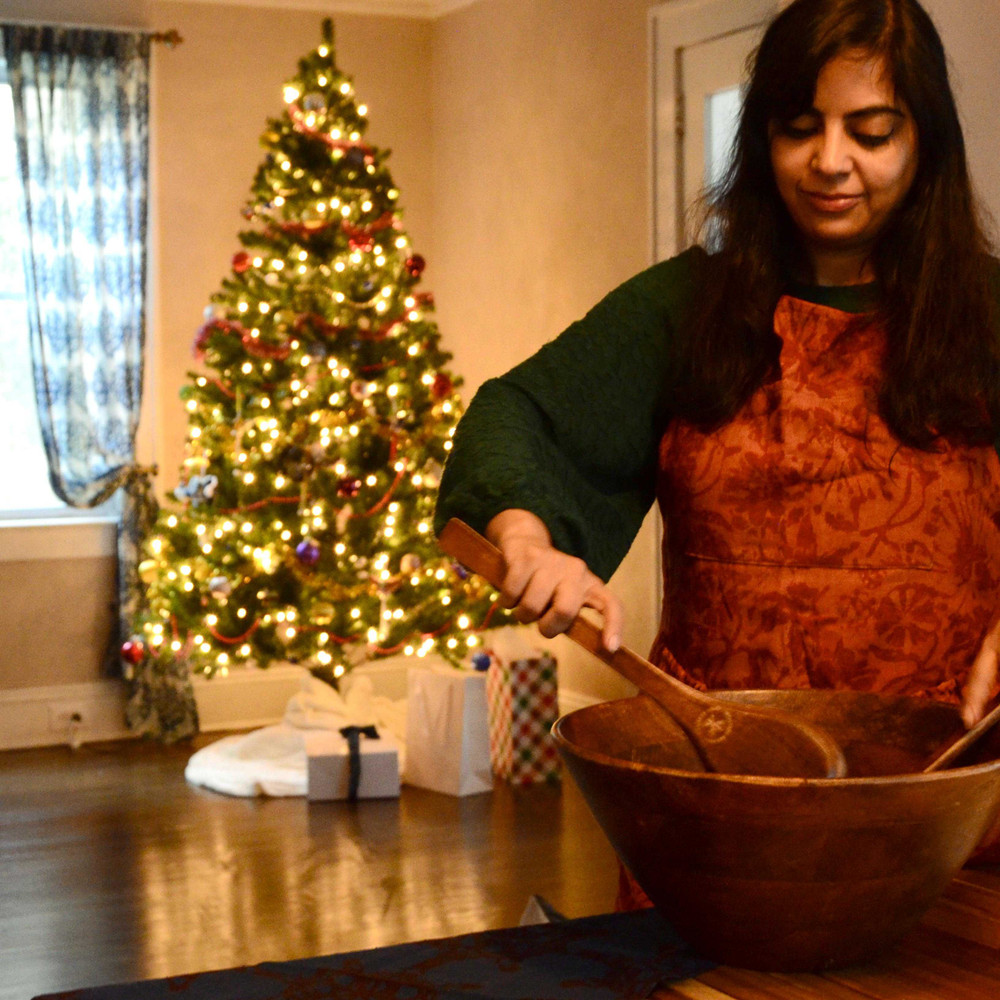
523	703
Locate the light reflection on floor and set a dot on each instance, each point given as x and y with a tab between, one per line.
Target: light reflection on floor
128	873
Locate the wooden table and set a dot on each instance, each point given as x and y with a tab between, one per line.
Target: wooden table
954	954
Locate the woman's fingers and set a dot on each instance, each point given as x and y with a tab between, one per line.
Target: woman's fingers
546	585
982	678
557	587
613	612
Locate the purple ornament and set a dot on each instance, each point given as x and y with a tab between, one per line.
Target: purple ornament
307	552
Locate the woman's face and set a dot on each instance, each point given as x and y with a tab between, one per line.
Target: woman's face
845	165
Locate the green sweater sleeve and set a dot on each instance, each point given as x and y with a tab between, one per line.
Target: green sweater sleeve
572	433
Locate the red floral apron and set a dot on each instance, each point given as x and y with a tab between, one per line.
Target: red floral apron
809	549
812	550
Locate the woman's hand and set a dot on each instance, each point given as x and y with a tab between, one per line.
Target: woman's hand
982	678
548	586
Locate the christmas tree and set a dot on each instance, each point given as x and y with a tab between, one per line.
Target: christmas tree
318	431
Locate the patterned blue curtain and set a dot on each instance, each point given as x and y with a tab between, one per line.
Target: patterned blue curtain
81	109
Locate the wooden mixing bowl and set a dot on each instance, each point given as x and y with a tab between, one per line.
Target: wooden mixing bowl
788	874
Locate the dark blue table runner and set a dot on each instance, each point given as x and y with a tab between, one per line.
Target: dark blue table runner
609	957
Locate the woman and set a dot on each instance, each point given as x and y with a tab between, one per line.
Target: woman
814	403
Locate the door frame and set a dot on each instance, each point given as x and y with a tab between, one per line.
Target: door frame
674	26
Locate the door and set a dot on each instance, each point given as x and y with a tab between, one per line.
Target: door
700	49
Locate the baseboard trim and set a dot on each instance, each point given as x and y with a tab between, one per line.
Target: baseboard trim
41	716
246	699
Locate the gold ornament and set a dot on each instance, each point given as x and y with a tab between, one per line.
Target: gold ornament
322	613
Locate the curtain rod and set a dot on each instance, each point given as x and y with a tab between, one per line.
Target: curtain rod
171	37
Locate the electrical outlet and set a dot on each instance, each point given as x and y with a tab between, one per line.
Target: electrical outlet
66	717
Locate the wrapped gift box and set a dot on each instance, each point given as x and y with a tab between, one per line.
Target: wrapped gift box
329	766
523	699
447	731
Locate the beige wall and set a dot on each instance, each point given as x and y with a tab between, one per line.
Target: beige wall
55	619
970	30
542	185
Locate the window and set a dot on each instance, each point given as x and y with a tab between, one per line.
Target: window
24	484
24	479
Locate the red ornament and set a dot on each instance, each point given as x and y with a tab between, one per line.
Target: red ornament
133	651
415	265
349	487
202	337
442	386
241	261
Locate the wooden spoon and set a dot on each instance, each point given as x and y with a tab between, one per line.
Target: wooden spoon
729	737
964	741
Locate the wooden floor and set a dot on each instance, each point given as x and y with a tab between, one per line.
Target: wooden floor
113	869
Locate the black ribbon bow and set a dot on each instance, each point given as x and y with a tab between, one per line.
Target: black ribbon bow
353	736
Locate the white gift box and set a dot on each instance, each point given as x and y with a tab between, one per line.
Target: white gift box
447	731
328	767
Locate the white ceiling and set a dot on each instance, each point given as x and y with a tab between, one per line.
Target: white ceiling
397	8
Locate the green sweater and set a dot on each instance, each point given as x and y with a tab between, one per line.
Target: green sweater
572	434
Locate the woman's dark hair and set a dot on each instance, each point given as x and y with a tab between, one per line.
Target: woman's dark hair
942	364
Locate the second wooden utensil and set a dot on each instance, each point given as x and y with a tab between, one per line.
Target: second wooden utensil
728	737
956	749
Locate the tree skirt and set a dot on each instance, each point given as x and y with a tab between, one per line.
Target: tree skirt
272	761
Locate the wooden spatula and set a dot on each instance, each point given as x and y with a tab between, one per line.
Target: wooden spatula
948	756
730	738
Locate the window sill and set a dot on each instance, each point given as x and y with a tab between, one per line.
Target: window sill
57	538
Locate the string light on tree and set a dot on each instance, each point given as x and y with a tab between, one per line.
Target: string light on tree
318	427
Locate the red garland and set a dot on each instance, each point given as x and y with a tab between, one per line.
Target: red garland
303	230
234	640
252	345
488	618
298	120
257	504
326	329
222	387
386	498
275	352
363	235
392	489
382	333
318	324
391	650
188	643
441	631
